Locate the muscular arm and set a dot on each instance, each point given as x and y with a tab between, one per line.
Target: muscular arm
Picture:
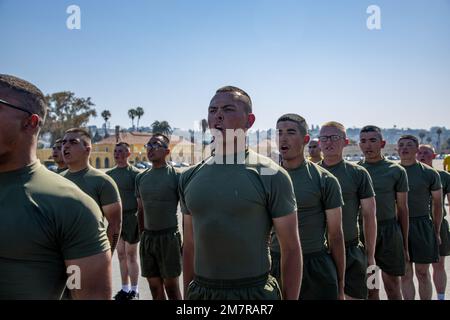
286	229
95	277
337	245
368	209
113	213
437	212
188	252
403	218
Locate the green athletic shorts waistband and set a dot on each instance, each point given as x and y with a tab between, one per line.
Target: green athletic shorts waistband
426	217
232	283
160	232
387	222
352	243
316	254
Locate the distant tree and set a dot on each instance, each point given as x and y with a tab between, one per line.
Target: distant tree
106	115
161	127
132	114
438	144
429	139
139	114
66	111
422	135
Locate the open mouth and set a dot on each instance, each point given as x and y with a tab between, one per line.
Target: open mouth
284	148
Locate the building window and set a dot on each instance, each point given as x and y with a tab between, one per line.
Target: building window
97	163
106	162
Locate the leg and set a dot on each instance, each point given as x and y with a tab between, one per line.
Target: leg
132	262
408	289
424	279
172	288
122	255
157	288
440	276
392	286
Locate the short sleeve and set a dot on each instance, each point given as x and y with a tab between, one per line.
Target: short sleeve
365	187
109	193
181	189
282	197
81	230
401	184
435	180
333	192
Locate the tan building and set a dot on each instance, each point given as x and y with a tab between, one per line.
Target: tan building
102	155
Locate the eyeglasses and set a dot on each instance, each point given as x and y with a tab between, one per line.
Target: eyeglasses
333	138
154	146
312	147
15	107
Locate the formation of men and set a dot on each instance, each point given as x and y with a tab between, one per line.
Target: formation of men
308	229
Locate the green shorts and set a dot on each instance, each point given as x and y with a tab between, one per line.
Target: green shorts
389	253
160	253
444	248
130	230
264	287
320	281
355	270
423	246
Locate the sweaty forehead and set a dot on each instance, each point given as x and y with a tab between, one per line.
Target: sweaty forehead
369	135
330	130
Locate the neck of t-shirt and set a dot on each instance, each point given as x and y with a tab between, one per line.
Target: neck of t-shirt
294	163
408	163
76	169
332	161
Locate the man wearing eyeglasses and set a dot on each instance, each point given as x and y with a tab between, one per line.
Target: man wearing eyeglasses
77	146
58	156
391	195
319	201
47	225
358	193
424	221
230	202
157	197
124	175
314	150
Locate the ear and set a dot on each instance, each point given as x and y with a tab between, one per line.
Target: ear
32	122
306	139
383	143
434	156
250	120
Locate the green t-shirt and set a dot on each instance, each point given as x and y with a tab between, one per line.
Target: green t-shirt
422	179
445	181
125	178
158	190
388	178
356	184
232	207
96	184
316	190
44	220
60	170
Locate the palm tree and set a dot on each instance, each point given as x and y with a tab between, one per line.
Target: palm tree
106	115
429	140
132	114
139	114
422	135
438	144
204	126
161	127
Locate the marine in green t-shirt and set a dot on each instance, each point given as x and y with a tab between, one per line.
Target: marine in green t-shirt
426	154
391	192
358	193
319	202
157	195
99	186
49	229
58	156
230	202
124	175
424	229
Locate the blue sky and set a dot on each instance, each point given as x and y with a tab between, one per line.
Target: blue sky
315	58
